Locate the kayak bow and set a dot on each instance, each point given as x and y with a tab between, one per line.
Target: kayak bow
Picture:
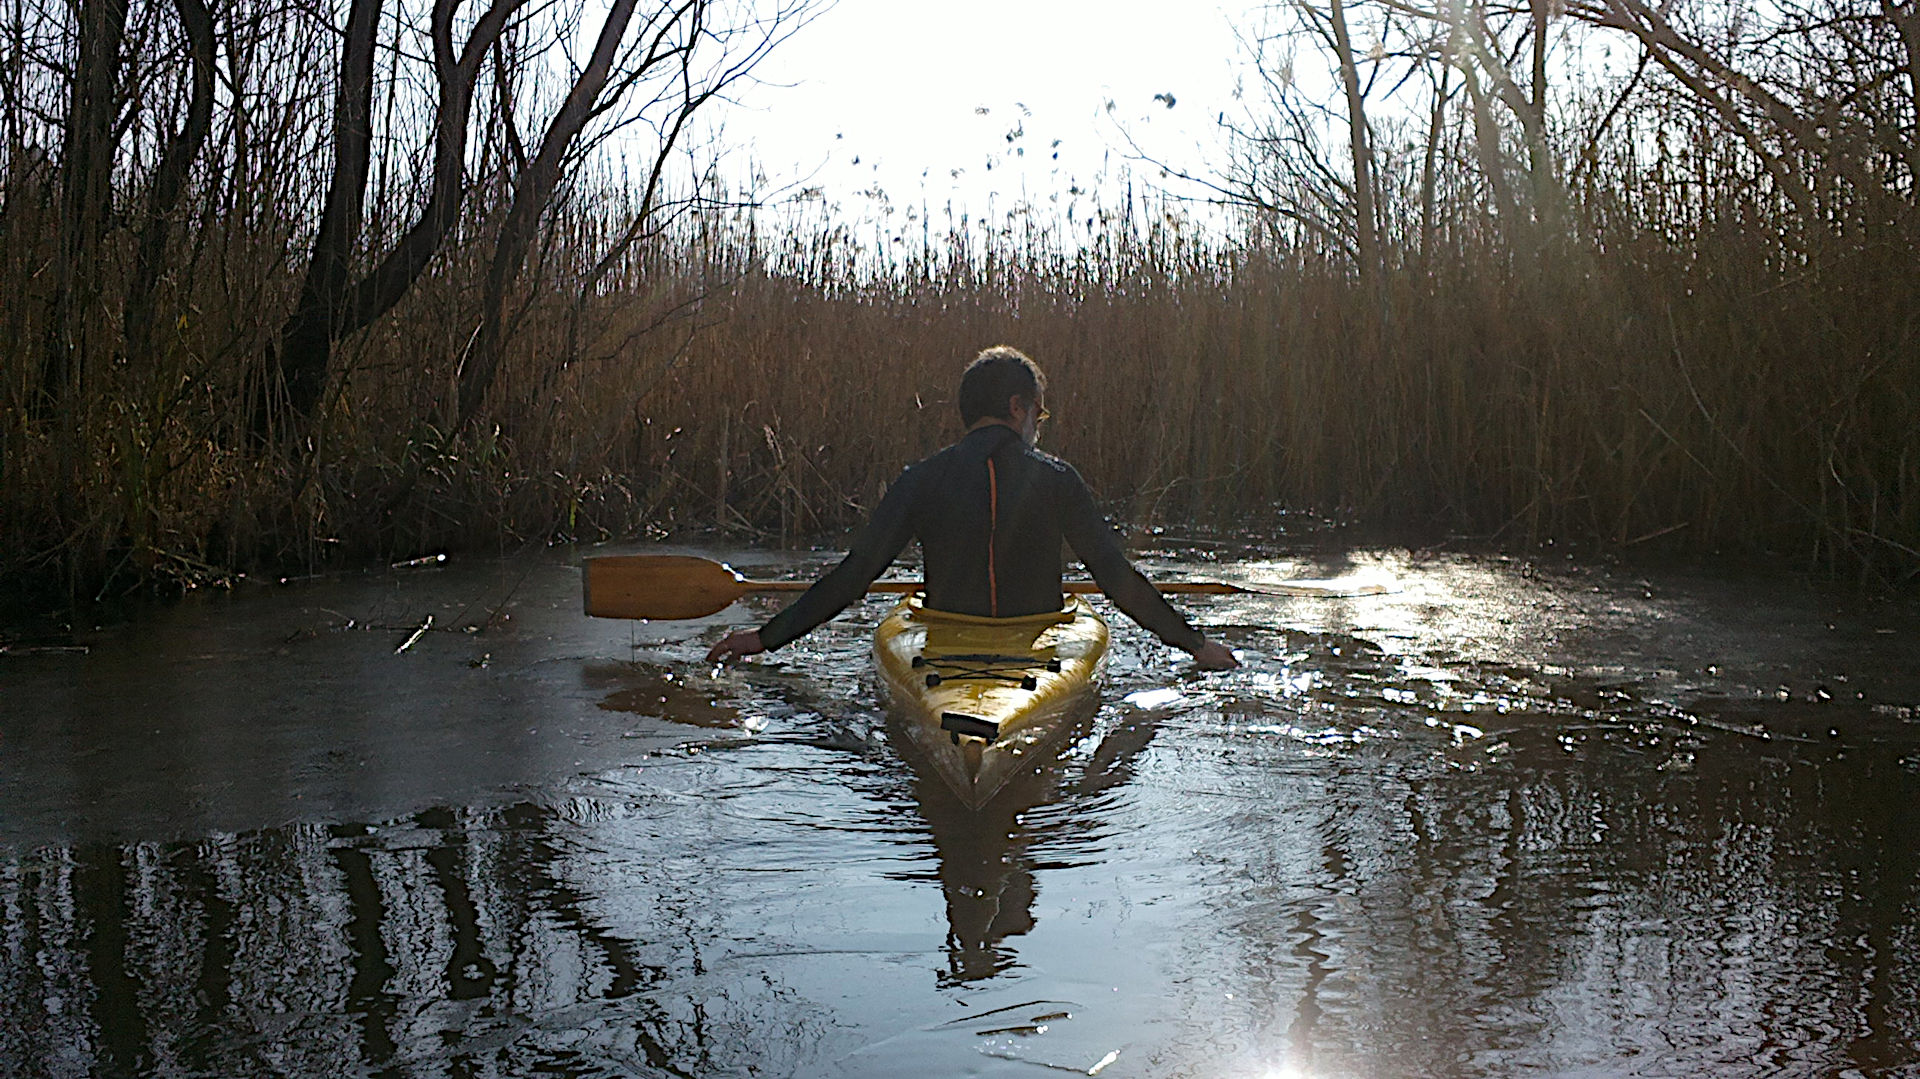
982	699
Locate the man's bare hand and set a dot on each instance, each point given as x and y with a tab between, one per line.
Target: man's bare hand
1214	656
737	645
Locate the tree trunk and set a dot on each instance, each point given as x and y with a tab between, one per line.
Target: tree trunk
1428	167
331	307
1366	217
86	198
170	178
1906	23
1486	142
1546	188
306	341
376	293
531	194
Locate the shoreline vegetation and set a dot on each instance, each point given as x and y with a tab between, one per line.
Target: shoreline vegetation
1673	346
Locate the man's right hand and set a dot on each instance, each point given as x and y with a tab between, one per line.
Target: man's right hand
736	645
1214	656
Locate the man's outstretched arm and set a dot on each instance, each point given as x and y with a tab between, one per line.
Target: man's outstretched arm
872	552
1094	541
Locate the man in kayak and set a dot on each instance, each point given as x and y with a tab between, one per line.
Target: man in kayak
991	513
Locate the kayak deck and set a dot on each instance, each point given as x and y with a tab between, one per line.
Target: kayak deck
981	699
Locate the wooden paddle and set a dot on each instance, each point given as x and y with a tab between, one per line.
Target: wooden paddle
664	587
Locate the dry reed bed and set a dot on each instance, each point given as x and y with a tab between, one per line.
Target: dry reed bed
1624	390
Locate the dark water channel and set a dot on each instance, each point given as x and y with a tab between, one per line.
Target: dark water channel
1506	821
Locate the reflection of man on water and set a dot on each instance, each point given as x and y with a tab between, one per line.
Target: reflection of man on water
991	513
986	875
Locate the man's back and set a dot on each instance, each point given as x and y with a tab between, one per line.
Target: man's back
988	517
993	516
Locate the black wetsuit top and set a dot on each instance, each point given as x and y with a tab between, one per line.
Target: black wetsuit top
991	514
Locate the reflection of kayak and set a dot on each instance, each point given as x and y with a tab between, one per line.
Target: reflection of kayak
983	699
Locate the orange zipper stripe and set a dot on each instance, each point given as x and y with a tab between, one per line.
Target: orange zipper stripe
993	532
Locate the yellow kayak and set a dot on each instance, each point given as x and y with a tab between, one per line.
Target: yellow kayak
983	699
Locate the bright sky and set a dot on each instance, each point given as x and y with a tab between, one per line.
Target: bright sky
917	98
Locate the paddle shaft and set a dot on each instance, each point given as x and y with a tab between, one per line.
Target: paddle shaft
1077	588
1091	588
1066	586
666	587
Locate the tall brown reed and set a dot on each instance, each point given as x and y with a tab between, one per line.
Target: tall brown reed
767	377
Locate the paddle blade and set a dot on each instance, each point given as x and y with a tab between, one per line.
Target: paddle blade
657	586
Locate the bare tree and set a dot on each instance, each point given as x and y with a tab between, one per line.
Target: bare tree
1366	213
168	184
684	55
1300	163
1402	59
86	194
1441	70
668	56
457	76
331	304
1812	93
306	341
532	189
1488	46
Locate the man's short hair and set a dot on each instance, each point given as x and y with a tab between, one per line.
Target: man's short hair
994	377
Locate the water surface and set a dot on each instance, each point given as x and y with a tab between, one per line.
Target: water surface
1508	820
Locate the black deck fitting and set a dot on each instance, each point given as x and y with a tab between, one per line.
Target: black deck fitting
959	723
